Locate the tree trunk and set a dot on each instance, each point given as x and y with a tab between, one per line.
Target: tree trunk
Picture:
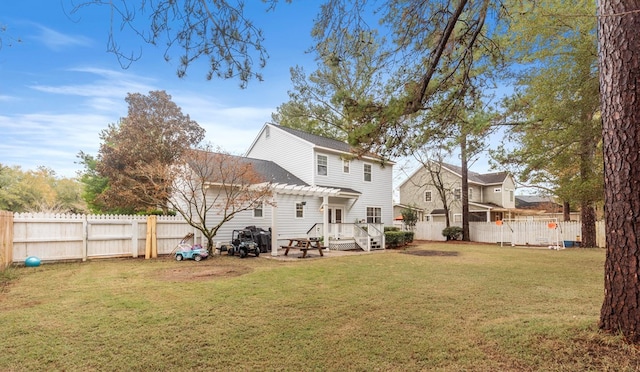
566	211
464	189
588	218
619	45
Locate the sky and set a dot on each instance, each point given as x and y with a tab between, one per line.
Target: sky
59	88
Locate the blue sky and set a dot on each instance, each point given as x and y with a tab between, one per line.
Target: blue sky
59	87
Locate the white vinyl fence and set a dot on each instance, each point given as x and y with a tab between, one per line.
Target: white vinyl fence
519	233
53	237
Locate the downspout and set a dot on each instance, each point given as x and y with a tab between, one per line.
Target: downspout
274	226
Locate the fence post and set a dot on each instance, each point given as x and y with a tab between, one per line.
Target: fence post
6	239
151	245
85	238
134	238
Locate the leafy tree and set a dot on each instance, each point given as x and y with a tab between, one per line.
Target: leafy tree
316	100
38	191
94	183
409	217
211	188
440	55
555	108
619	61
136	154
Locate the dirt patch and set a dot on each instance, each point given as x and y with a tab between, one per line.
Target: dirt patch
188	272
431	253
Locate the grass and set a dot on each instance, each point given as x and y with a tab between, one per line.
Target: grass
468	307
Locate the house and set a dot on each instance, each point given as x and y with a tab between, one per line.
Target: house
320	189
491	195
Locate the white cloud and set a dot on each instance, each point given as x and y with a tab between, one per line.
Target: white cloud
58	41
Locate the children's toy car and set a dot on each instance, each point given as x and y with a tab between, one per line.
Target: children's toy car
187	252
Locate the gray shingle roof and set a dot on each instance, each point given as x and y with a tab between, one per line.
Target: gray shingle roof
266	169
481	178
272	172
318	140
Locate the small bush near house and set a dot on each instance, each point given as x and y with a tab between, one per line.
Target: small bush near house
394	239
408	236
452	233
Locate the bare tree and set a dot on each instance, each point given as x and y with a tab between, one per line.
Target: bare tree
211	188
432	163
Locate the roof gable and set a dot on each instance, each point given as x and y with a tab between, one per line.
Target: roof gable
484	179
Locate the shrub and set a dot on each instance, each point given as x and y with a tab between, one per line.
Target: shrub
452	233
408	237
391	228
394	239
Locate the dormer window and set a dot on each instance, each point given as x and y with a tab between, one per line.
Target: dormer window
322	165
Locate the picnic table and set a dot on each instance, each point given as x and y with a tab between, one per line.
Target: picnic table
303	244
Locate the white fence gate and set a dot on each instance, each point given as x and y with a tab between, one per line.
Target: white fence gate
516	232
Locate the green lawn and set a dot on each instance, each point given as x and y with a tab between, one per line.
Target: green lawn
485	308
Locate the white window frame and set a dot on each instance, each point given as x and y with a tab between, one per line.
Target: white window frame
259	208
470	193
457	217
346	166
512	195
299	209
267	132
365	173
374	217
457	194
428	198
321	166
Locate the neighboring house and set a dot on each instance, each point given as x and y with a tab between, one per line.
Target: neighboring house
320	189
491	195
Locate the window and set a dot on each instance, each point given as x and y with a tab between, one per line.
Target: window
367	172
267	132
345	166
300	210
322	165
510	195
427	196
470	193
374	215
457	217
497	189
457	194
257	211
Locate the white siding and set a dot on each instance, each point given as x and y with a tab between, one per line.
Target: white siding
288	151
299	157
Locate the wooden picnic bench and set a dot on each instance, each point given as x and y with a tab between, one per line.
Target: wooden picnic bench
303	244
